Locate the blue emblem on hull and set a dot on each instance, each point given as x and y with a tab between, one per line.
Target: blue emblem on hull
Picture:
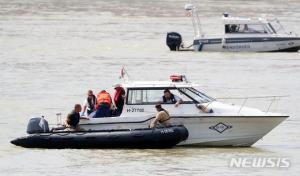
220	127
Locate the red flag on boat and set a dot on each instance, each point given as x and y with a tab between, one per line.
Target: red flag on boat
188	13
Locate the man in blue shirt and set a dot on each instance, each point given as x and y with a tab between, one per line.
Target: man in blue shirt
170	98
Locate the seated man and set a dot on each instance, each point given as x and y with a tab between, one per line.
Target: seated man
246	29
72	120
104	105
233	28
161	117
168	97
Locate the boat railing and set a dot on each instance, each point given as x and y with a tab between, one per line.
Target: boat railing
193	12
245	100
58	119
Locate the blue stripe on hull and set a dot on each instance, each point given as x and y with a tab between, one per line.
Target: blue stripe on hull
244	40
250	40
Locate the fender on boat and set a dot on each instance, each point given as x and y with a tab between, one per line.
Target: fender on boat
164	137
200	46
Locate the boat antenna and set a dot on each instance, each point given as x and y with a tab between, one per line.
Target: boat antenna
192	11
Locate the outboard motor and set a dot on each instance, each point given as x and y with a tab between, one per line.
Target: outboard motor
37	125
173	41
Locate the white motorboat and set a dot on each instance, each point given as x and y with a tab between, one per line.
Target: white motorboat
217	124
239	34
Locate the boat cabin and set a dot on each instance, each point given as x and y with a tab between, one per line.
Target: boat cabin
141	97
236	25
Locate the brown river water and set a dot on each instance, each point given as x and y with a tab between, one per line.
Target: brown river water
53	51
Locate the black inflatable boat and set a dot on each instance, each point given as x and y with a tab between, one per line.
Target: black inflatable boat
164	137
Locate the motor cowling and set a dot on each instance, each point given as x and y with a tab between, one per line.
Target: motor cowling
173	40
37	125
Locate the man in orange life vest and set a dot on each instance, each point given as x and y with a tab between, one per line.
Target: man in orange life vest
104	104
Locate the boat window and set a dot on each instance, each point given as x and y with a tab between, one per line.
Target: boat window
153	96
135	96
196	95
231	28
227	28
246	28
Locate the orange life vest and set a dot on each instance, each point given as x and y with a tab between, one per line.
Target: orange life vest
103	97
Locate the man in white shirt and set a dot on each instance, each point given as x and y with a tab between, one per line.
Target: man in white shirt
89	103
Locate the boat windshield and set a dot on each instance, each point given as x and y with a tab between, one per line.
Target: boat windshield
195	95
276	26
148	96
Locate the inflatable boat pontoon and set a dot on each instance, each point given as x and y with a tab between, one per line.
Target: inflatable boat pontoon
164	137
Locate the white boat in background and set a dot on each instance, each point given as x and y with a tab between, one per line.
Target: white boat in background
217	124
239	35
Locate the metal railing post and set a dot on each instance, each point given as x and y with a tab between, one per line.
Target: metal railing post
274	98
242	105
58	119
